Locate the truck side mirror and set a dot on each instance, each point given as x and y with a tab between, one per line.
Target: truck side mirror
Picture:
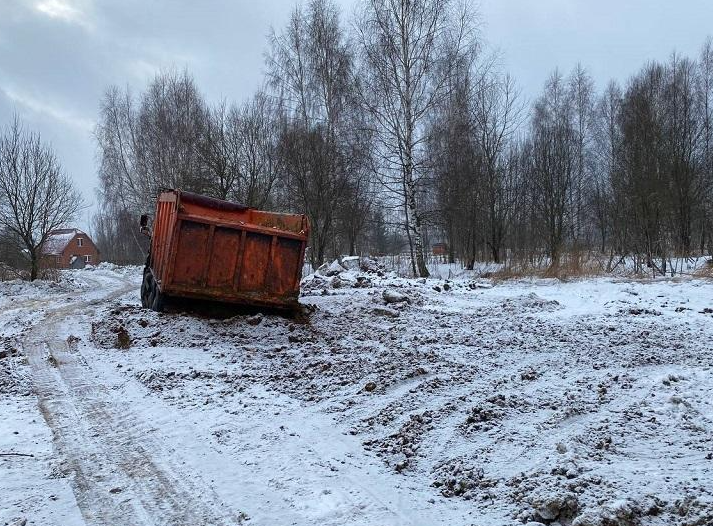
143	222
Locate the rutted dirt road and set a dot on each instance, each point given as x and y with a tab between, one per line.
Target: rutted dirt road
120	474
133	460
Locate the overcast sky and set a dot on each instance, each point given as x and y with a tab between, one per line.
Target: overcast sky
58	56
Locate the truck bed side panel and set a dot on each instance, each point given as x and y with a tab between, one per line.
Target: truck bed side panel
226	248
192	257
256	257
282	276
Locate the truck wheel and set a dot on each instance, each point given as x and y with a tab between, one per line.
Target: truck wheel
146	287
158	299
155	299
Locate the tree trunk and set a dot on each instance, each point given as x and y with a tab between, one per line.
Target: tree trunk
34	267
495	253
317	252
320	252
414	227
409	237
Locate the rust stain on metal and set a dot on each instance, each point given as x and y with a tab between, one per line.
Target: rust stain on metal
206	248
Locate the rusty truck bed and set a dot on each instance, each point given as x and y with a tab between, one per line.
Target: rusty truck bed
206	248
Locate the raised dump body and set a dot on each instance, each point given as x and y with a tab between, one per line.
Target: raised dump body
206	248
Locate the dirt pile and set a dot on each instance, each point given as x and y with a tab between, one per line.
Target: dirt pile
401	449
14	376
346	272
503	398
461	478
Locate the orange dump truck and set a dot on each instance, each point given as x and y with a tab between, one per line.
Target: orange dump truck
208	249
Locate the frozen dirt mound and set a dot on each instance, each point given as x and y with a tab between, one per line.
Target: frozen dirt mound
346	272
10	346
14	376
121	270
311	361
530	303
401	449
461	478
569	505
128	326
163	380
467	393
19	289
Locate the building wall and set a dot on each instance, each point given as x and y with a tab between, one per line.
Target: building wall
440	249
88	248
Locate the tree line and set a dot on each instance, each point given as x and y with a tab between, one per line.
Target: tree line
338	131
396	129
626	173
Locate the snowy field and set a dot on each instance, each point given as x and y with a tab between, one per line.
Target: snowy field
463	402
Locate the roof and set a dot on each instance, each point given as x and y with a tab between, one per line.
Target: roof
58	240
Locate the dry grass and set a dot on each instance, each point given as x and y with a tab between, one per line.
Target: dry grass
706	271
49	274
588	265
570	266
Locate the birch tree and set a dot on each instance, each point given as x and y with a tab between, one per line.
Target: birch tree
705	90
410	50
310	69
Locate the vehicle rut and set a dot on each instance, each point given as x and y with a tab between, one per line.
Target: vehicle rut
121	474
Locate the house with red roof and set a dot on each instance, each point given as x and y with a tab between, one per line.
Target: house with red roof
69	248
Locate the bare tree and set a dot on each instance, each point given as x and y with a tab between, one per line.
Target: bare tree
411	49
457	168
581	95
254	135
36	196
171	123
642	161
321	147
705	93
497	114
553	164
149	143
682	132
217	151
607	141
238	147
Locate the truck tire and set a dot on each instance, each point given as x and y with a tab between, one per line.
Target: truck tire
155	299
158	299
146	287
151	296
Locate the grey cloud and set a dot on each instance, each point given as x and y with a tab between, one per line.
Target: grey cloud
55	65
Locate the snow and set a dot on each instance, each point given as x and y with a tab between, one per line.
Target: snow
19	290
469	401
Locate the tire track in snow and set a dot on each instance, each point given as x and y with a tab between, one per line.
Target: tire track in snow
121	474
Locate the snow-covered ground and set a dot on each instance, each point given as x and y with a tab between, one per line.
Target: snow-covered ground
588	402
